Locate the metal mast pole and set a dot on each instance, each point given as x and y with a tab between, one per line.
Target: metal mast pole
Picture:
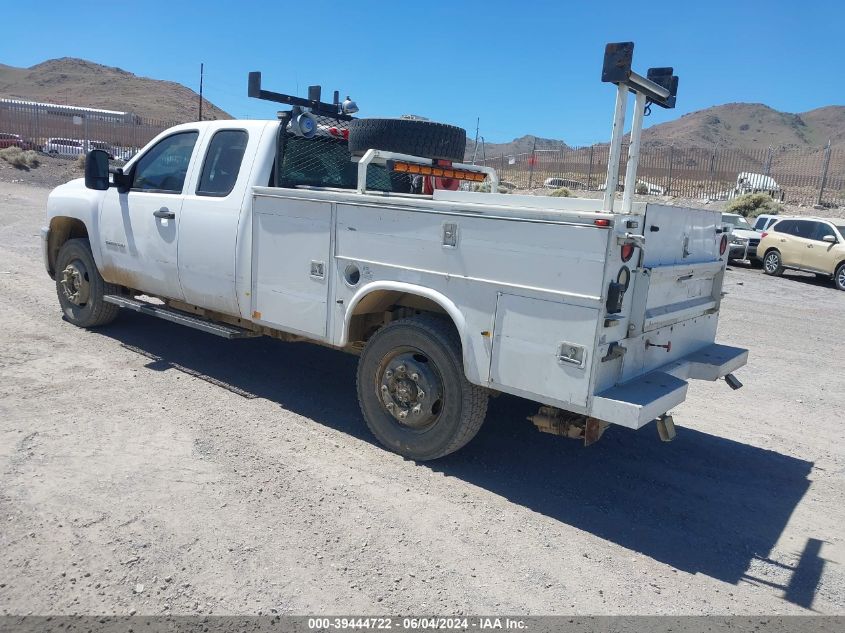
615	146
633	153
201	74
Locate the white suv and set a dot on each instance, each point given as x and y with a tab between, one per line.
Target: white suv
64	147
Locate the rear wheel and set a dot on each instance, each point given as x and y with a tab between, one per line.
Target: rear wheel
81	288
839	277
413	392
772	264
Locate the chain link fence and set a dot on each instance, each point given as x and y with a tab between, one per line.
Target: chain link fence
796	176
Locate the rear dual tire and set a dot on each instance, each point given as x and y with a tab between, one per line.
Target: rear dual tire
412	389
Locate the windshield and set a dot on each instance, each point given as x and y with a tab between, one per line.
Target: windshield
841	229
738	221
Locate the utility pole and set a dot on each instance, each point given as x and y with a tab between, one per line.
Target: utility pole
201	74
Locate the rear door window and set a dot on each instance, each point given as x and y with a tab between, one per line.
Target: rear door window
784	226
803	228
222	163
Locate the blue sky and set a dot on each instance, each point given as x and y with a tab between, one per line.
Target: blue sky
530	67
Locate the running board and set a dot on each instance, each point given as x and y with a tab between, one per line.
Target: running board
162	312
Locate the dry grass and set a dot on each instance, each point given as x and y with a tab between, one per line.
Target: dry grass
19	158
80	162
563	192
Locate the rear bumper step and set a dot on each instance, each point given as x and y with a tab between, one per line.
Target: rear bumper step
162	312
639	401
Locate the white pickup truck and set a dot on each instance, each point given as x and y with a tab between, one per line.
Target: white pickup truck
311	230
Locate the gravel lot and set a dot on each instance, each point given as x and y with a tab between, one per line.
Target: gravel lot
150	468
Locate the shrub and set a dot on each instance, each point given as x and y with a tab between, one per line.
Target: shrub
750	205
80	162
21	159
642	189
563	192
484	187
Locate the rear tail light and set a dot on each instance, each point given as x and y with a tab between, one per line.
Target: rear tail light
723	245
627	252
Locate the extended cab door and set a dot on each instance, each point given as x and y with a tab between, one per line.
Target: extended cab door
211	211
139	228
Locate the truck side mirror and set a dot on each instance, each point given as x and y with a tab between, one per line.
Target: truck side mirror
97	170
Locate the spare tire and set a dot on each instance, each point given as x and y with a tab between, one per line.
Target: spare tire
406	136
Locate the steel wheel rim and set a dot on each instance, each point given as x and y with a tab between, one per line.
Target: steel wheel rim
409	388
75	283
771	262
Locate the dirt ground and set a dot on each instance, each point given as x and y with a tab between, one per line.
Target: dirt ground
149	468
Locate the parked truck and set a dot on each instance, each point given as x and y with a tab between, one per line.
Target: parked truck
356	234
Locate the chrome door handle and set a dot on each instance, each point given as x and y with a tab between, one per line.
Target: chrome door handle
164	213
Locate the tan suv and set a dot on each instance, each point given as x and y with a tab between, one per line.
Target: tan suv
816	245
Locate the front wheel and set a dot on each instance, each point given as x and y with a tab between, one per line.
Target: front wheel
413	392
839	277
772	264
81	287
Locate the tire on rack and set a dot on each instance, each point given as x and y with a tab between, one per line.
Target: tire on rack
405	136
772	263
81	287
413	392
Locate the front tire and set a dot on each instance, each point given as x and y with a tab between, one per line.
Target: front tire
81	288
413	392
839	277
772	264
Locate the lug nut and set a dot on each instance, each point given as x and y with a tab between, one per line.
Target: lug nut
403	414
384	387
415	376
420	394
417	409
400	369
388	373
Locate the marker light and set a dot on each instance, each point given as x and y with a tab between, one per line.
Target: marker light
723	245
627	252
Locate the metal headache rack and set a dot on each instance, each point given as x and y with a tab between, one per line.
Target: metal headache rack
659	87
313	152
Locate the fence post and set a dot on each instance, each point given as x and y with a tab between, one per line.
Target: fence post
590	170
531	160
712	172
825	165
768	167
671	160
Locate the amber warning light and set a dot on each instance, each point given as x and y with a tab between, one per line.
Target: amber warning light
441	172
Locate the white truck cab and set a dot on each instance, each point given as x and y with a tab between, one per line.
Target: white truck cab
351	233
